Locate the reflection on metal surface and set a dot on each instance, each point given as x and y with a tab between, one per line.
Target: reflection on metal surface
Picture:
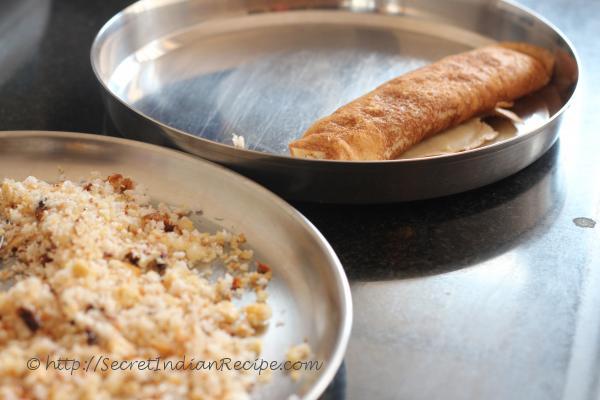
190	74
499	323
438	236
309	292
22	24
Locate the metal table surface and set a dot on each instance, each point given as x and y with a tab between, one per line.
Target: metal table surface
489	294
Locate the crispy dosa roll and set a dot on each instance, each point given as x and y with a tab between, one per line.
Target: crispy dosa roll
384	123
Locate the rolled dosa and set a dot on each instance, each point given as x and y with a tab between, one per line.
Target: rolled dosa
387	121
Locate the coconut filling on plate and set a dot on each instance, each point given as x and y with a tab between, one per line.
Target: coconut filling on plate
96	270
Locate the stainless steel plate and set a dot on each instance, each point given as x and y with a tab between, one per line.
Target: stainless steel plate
309	294
192	73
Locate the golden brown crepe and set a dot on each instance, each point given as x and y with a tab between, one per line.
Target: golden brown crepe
384	123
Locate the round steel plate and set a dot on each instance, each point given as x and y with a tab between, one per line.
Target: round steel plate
309	294
192	73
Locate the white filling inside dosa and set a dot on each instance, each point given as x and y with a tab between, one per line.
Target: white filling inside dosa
475	133
466	136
